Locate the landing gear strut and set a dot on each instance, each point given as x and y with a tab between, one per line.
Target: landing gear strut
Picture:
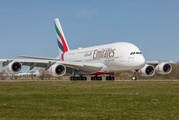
134	77
110	77
73	77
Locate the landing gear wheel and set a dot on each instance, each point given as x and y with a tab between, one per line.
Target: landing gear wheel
96	78
110	78
71	78
78	78
134	78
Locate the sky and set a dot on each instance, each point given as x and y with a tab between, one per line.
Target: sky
27	26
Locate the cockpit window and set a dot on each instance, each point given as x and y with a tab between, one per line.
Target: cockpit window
132	53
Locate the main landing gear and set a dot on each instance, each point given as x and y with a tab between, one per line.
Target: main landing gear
110	78
73	77
78	78
96	78
100	78
92	78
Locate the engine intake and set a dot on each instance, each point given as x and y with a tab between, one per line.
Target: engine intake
147	70
163	68
57	70
14	67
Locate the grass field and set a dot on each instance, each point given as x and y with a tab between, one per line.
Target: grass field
101	100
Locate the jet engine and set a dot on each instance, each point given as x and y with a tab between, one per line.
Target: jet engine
57	70
147	70
163	68
14	67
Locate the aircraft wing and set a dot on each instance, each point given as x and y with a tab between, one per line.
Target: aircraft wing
159	61
27	62
48	63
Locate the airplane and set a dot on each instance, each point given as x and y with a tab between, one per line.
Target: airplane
23	74
38	72
95	61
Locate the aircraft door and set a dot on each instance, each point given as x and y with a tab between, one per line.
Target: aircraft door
121	57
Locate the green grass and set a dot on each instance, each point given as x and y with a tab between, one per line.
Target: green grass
89	100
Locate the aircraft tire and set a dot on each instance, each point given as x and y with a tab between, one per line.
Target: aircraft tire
110	78
78	78
134	78
96	78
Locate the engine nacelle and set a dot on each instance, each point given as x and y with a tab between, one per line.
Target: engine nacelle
14	67
147	71
163	68
57	70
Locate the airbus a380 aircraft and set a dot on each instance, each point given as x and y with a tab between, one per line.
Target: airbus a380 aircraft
95	61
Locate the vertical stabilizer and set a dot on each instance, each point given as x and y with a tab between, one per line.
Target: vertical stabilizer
62	43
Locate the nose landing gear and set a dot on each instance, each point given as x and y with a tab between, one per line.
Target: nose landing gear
134	77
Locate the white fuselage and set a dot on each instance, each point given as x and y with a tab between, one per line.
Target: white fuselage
121	56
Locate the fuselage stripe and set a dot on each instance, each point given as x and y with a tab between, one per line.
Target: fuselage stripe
60	46
100	73
64	44
62	56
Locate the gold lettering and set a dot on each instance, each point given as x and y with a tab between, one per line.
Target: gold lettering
111	53
95	54
104	53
